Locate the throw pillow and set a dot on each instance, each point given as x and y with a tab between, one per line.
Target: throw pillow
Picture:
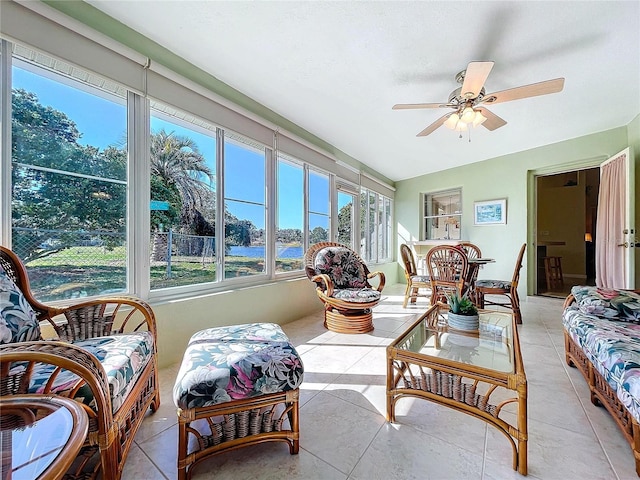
18	321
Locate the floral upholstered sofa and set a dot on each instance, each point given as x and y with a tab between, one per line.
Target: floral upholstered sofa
602	339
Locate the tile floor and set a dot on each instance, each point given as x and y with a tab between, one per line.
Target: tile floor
344	434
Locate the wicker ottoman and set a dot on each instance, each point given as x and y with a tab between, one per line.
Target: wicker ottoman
237	386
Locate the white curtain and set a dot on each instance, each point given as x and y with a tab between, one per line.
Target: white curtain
610	264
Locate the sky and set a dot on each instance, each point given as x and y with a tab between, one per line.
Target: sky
103	123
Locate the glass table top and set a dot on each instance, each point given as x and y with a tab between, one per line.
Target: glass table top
490	347
39	434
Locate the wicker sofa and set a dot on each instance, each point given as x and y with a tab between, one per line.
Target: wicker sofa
104	356
602	339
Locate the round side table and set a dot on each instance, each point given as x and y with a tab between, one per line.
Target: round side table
40	435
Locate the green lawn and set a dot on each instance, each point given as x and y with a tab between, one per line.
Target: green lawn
85	271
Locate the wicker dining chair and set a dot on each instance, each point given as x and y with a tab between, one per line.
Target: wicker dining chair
104	356
472	250
448	267
502	288
342	284
415	282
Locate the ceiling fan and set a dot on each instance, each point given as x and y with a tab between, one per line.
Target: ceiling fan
468	101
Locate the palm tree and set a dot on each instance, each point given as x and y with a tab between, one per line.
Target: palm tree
177	161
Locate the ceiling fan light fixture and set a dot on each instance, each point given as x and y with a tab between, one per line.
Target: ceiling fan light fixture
468	114
461	127
478	119
452	121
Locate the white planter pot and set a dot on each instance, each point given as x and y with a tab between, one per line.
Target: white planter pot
463	322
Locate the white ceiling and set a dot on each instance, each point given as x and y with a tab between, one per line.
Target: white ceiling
336	68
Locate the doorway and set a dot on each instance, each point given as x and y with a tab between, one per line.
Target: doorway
566	206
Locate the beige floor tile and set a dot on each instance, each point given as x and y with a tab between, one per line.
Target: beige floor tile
403	453
553	454
332	359
442	422
366	391
336	431
139	467
155	423
162	450
269	461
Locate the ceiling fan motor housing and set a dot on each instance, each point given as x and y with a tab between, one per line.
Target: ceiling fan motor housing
456	99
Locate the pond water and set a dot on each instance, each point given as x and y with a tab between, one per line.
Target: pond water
258	251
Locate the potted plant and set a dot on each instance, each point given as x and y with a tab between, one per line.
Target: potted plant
463	314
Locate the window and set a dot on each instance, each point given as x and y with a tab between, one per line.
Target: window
245	207
319	207
111	191
290	218
346	218
443	215
375	226
384	228
183	204
69	178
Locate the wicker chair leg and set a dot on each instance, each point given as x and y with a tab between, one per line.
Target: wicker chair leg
407	294
479	299
414	295
182	449
110	462
294	422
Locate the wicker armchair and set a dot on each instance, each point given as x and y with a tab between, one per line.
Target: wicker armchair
342	284
105	357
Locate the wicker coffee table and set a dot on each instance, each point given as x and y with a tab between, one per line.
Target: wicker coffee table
477	373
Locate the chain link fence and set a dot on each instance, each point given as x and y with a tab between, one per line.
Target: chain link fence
65	264
68	264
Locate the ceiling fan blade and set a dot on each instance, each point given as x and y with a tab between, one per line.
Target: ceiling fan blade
408	106
526	91
434	126
474	78
493	121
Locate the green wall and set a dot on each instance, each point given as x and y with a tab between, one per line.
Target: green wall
509	176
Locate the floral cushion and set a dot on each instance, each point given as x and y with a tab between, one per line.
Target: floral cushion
357	295
611	304
236	362
502	284
421	278
18	322
123	357
343	267
613	349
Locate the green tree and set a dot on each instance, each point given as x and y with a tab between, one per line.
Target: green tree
179	166
317	235
345	220
47	139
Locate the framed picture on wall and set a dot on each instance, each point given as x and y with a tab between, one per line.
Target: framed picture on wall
490	212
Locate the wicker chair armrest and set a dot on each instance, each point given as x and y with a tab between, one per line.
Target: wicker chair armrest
382	279
569	300
63	356
322	279
103	316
